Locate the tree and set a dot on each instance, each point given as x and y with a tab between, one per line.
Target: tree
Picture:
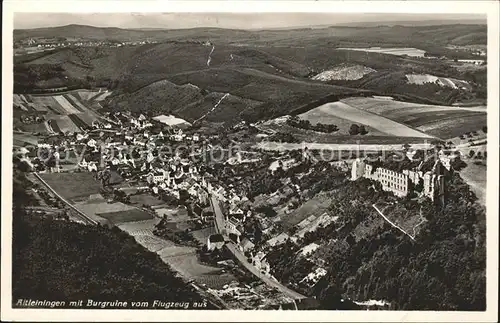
354	129
362	130
485	129
471	153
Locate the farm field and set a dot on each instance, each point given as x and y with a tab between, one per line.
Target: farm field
72	185
315	116
146	199
66	112
310	136
444	122
74	101
64	123
129	215
359	116
65	104
450	128
181	258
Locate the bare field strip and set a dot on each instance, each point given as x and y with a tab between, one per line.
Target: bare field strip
53	124
72	185
451	128
78	121
389	107
44	101
87	117
102	96
372	120
74	101
67	106
65	123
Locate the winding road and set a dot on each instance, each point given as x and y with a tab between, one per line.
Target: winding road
219	224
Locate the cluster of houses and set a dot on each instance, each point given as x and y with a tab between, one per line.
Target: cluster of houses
49	44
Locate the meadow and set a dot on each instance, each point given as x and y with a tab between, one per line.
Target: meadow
72	185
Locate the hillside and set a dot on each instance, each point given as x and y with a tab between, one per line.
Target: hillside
54	260
459	34
267	73
367	259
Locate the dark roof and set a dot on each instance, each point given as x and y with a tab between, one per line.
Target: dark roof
216	238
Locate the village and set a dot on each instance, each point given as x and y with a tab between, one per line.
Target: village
196	186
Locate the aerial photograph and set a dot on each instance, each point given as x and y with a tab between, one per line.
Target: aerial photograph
249	161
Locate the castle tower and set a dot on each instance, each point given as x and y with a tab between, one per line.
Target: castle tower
358	169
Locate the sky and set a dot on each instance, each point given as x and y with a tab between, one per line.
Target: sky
221	20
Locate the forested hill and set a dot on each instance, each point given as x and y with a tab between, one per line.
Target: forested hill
367	259
62	260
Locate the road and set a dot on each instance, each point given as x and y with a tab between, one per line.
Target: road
219	221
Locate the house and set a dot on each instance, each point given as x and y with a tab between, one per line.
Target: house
236	211
155	177
234	225
312	278
215	241
246	245
92	143
92	167
278	240
83	163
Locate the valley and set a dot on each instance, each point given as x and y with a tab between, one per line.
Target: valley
330	168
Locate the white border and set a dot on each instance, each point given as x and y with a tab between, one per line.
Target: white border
491	8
